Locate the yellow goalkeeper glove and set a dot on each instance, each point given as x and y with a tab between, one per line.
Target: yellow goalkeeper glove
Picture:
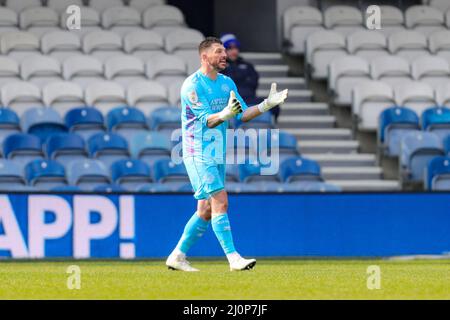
232	109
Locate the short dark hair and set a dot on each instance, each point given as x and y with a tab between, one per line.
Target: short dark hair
208	42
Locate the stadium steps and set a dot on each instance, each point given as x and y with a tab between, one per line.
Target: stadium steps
290	83
352	173
271	58
367	185
321	134
294	122
319	137
272	70
329	146
304	108
343	160
295	95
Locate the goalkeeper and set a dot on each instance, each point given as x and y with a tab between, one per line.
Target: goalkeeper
209	99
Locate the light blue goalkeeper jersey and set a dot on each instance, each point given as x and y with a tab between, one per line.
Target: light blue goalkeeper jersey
201	97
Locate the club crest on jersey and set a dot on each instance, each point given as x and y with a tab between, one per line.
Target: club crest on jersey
225	88
193	98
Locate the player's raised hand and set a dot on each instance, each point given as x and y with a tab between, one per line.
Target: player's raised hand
234	104
232	109
275	98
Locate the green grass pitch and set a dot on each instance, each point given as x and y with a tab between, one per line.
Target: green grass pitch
271	279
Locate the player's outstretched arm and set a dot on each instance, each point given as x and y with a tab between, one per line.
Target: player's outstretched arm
275	98
231	110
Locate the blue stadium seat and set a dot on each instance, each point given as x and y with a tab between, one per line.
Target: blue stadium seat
108	188
66	147
393	124
88	174
167	172
285	142
242	147
23	148
264	141
446	144
311	186
108	147
11	176
264	121
417	149
45	174
175	136
127	121
437	175
244	139
298	169
165	119
42	122
234	123
130	173
150	147
9	123
437	120
85	121
252	173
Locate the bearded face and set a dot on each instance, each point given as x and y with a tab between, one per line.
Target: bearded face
216	57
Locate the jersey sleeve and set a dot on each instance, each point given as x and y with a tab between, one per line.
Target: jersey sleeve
194	100
238	96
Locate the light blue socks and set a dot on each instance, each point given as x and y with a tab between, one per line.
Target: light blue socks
222	229
194	229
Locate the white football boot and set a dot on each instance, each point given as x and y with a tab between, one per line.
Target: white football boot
179	262
238	263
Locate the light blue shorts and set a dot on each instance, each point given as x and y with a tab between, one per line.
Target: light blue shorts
207	177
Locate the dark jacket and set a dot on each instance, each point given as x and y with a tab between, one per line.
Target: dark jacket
246	78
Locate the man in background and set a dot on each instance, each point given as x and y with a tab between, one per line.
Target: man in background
242	72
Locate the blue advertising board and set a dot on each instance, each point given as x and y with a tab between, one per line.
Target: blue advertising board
149	225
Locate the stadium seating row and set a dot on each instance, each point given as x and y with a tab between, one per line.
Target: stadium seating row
125	120
117	20
301	21
146	96
61	5
296	174
395	122
19	96
112	16
87	121
400	135
370	98
98	40
324	46
103	45
347	71
129	122
83	70
124	69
